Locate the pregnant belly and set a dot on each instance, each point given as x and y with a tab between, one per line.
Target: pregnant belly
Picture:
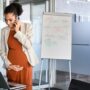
18	57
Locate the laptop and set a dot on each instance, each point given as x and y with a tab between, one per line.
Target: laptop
9	86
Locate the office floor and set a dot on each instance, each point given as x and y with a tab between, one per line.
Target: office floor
53	89
62	80
64	76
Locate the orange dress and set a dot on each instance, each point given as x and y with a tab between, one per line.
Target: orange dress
18	57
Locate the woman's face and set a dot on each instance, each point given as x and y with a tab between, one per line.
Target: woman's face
10	19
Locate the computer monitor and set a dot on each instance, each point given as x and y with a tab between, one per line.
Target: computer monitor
4	85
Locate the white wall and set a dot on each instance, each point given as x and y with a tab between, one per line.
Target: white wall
26	13
1	9
81	8
80	54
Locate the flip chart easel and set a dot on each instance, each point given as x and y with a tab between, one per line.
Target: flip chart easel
57	37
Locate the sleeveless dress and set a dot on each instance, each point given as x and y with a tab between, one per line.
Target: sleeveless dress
18	57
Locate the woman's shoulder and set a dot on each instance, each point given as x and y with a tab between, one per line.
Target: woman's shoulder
3	25
4	29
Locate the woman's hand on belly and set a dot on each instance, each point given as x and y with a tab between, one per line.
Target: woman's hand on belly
15	67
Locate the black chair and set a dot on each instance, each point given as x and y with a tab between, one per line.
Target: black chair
79	85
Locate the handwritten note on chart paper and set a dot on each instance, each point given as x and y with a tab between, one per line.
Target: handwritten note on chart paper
57	36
